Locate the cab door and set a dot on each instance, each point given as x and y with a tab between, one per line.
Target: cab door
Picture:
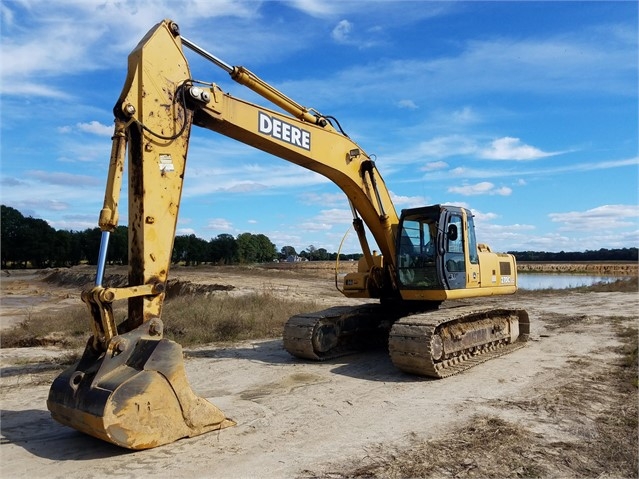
454	258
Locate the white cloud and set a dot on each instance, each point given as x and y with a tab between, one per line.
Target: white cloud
64	179
325	199
345	34
465	172
465	116
272	175
316	226
482	188
584	62
606	217
447	146
26	88
407	201
407	104
7	15
473	146
341	32
316	8
243	187
325	221
96	128
435	165
481	217
219	224
334	216
43	204
70	36
508	148
9	181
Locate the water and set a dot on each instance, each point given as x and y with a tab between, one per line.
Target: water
533	281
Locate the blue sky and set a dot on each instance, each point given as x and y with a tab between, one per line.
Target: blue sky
525	112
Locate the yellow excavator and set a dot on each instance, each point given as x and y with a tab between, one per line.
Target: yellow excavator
130	387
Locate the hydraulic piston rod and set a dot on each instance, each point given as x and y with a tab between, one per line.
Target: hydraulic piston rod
259	86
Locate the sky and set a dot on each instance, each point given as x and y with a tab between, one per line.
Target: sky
524	112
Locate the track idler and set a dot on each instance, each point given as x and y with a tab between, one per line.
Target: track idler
135	395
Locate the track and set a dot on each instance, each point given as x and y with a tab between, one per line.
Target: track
436	344
336	331
446	342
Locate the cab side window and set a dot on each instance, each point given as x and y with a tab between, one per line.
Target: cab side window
472	242
455	244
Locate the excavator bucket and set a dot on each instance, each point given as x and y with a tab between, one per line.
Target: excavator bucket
135	395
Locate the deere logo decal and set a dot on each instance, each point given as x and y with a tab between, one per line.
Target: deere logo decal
281	130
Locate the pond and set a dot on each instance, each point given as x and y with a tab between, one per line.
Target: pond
533	281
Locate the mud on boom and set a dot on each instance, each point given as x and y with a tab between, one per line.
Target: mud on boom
130	388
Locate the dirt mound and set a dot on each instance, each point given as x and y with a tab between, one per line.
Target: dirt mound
174	287
82	279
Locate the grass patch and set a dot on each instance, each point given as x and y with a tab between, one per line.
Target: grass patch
625	285
189	320
488	447
206	319
629	357
68	327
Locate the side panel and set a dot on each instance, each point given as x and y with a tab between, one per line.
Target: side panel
448	294
498	270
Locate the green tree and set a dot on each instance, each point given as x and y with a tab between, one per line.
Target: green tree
223	249
90	241
312	253
66	248
190	249
180	247
255	248
246	248
119	246
40	239
13	233
287	251
266	249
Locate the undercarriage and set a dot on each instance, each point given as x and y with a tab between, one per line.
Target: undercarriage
437	343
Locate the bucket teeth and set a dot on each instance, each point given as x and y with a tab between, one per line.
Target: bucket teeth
135	395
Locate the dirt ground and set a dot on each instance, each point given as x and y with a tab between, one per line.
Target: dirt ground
353	416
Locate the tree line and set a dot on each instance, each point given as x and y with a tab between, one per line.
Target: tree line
32	242
603	254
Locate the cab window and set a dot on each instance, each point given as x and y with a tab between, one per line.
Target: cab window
472	241
455	243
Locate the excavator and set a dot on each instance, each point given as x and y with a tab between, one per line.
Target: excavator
130	386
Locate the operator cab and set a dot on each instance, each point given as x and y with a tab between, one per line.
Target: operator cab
432	248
